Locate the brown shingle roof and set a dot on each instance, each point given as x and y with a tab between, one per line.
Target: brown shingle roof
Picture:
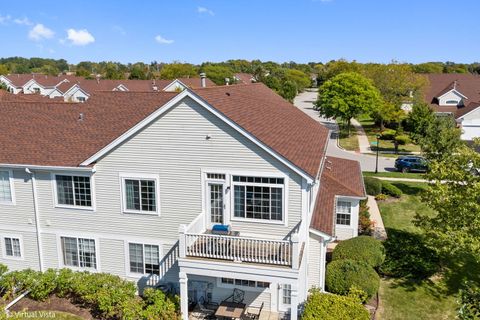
466	84
340	177
272	120
45	80
51	134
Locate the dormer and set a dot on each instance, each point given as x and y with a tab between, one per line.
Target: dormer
451	96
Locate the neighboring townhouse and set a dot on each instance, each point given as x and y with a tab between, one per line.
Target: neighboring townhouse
457	95
244	78
78	89
132	183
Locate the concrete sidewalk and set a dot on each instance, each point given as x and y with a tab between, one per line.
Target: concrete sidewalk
401	179
379	231
363	143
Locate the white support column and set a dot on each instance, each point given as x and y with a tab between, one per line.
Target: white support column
294	303
184	295
295	251
182	241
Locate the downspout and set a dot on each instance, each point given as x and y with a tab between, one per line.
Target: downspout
37	218
323	254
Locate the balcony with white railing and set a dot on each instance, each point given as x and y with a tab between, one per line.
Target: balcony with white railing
198	243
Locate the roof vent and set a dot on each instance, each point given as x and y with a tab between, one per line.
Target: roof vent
203	79
81	116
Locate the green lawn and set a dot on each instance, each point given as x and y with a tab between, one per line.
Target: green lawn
385	145
348	142
432	296
409	175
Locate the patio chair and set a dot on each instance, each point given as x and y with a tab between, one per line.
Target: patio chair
237	296
253	313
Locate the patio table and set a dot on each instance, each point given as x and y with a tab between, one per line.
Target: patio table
230	310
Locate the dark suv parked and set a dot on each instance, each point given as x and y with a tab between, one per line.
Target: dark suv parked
411	163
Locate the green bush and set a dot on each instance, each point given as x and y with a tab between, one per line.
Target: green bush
362	248
388	134
342	275
469	302
107	295
381	197
333	307
373	186
391	190
402	139
3	269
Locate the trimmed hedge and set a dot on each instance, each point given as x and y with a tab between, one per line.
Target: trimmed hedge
342	275
108	296
388	134
402	139
362	248
373	186
469	302
333	307
391	190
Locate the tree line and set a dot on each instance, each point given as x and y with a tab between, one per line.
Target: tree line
286	78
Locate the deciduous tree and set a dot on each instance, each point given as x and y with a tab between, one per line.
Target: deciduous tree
346	96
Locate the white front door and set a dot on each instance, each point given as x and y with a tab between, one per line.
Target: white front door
216	203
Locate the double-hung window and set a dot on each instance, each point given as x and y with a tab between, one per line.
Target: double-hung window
79	252
140	195
74	191
344	212
144	258
258	198
13	247
6	190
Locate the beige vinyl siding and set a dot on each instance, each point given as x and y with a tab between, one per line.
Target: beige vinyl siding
173	147
50	251
21	215
29	251
314	261
112	256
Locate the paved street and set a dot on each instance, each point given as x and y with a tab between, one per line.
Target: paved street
304	102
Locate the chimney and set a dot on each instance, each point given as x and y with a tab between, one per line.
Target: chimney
455	84
227	81
98	78
203	79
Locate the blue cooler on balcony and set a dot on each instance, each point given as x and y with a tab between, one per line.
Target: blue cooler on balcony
221	229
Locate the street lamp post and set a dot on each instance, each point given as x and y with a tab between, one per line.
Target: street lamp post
378	147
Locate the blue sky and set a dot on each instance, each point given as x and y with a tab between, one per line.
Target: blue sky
206	30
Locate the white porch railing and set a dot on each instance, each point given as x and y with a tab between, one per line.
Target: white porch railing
240	249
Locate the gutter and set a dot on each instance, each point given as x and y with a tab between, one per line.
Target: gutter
37	218
47	168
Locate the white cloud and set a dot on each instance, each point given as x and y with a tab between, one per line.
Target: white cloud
162	40
4	19
203	10
40	32
24	21
80	37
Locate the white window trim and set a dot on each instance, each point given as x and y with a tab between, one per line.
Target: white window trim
220	284
4	249
284	187
61	263
12	188
229	200
78	174
140	176
346	226
144	242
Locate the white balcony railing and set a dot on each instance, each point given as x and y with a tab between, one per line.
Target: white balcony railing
240	249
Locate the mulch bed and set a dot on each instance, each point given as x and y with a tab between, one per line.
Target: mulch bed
53	303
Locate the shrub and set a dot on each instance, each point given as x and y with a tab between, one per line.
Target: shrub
333	307
159	306
342	275
469	302
391	190
402	139
388	134
365	225
381	197
363	248
3	269
373	186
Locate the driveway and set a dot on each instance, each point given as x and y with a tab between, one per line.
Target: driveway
304	101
